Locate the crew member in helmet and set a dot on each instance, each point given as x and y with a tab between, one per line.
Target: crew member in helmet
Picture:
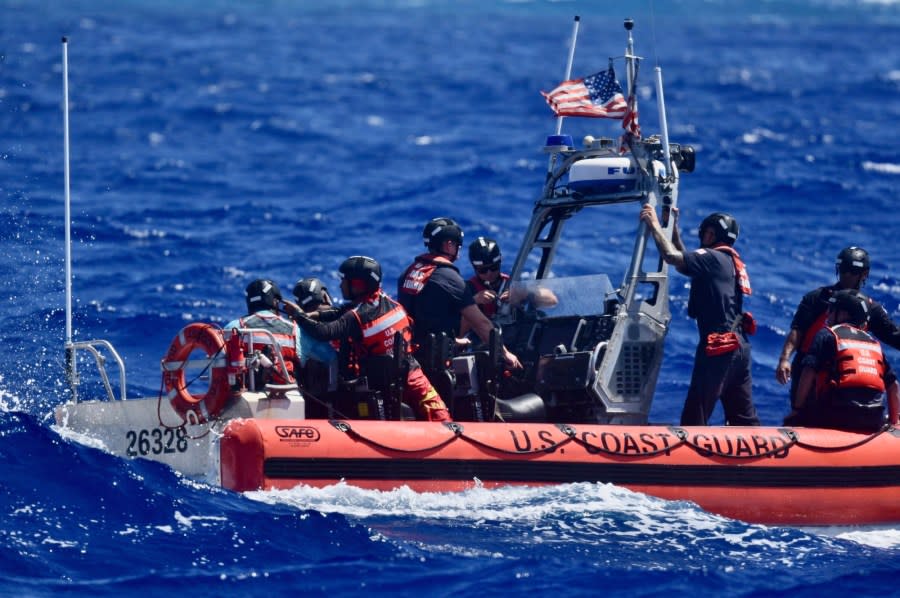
314	300
263	297
435	295
852	269
844	374
369	326
719	282
488	284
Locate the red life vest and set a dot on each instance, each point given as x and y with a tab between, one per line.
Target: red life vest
380	318
416	276
819	322
488	309
859	361
740	270
283	330
812	331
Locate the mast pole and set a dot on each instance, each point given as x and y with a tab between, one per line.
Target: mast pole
663	126
629	57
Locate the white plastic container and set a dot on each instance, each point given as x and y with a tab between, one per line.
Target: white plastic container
607	174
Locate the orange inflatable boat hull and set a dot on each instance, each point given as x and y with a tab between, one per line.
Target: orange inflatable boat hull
791	476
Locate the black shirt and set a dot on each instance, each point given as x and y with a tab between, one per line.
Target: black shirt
438	307
714	301
815	303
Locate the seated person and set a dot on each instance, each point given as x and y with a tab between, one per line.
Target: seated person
313	298
490	286
263	297
315	302
845	375
369	326
434	294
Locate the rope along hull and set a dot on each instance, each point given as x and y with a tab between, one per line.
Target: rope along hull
763	475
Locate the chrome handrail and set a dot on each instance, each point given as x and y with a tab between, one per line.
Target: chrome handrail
92	348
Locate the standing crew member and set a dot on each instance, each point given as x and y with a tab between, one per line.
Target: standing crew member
844	374
435	295
719	282
852	269
369	326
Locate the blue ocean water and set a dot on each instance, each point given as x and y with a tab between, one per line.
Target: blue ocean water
217	143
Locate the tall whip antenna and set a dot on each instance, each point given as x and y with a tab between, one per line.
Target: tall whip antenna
71	373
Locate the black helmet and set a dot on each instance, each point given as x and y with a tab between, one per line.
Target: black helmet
484	252
854	303
440	230
262	294
851	259
725	226
310	293
364	274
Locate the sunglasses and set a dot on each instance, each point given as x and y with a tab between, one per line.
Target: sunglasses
486	269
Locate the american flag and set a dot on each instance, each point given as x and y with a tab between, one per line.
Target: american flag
630	121
597	96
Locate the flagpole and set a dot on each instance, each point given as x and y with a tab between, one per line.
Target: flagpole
559	119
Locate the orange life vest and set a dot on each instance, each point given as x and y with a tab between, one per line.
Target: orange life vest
380	319
416	276
859	361
282	330
488	309
740	270
817	325
812	331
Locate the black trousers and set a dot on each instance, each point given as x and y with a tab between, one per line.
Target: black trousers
726	377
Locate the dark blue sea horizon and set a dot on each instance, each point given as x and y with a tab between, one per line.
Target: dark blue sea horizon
218	143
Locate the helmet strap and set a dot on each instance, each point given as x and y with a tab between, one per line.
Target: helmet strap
450	256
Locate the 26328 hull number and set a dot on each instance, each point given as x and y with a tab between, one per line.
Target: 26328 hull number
158	441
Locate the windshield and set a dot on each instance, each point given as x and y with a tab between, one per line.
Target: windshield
568	296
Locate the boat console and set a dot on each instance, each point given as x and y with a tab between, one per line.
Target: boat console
591	350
